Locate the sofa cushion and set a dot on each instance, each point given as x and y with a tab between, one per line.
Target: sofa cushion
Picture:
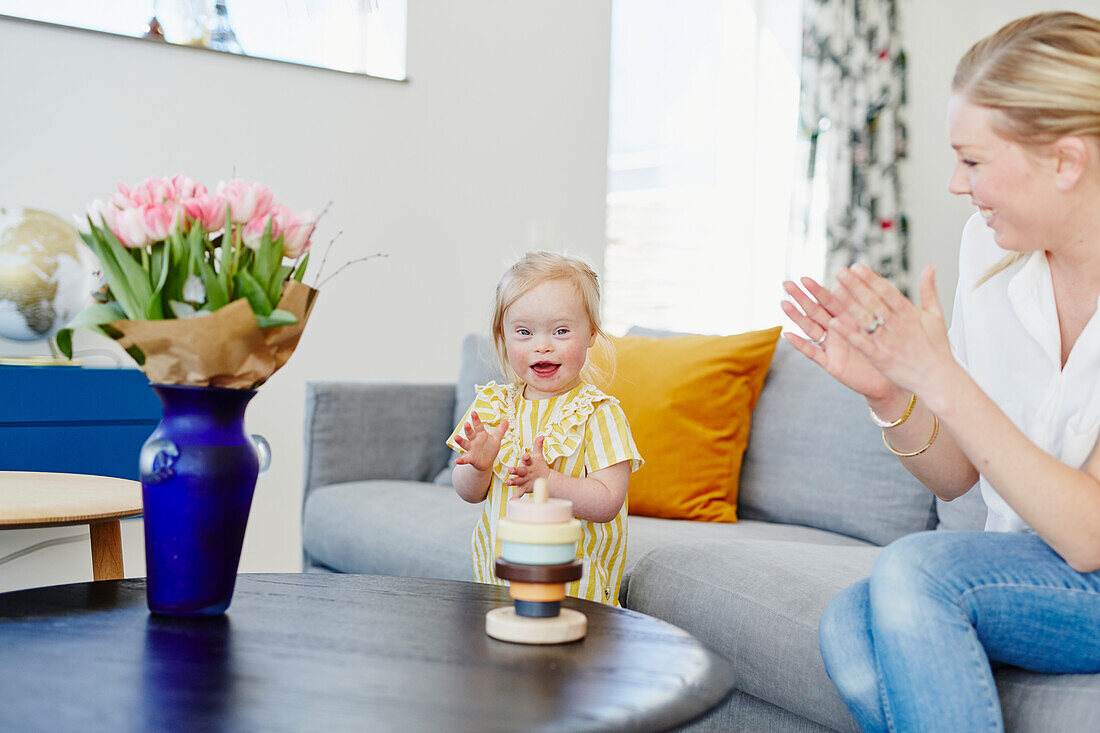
814	457
477	366
689	400
403	528
645	534
759	603
352	528
741	712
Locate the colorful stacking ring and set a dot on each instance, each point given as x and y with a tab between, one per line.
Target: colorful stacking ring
563	573
551	511
543	592
525	554
558	533
537	609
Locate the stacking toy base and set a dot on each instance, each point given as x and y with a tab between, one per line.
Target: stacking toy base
503	623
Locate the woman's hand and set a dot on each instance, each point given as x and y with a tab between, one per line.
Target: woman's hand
906	344
480	443
531	466
832	353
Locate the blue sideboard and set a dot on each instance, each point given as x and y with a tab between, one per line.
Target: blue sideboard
75	420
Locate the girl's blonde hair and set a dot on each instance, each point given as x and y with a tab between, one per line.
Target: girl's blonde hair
535	268
1042	75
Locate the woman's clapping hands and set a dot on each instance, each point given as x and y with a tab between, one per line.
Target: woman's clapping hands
831	352
871	337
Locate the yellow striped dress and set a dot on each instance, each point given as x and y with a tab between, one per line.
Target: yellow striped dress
585	430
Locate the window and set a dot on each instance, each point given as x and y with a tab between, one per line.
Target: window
702	157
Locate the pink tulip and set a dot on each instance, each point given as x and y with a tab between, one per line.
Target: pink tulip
102	214
161	220
130	228
295	229
151	191
247	200
254	231
207	209
183	187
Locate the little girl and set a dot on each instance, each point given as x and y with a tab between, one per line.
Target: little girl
548	422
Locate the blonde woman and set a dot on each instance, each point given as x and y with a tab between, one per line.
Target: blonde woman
550	423
1009	398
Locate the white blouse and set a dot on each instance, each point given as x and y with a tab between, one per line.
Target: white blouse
1005	333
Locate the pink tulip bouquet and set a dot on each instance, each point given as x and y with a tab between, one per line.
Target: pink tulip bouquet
201	288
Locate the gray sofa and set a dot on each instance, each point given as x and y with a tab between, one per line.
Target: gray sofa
819	495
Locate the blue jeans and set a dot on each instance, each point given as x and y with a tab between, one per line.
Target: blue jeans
911	647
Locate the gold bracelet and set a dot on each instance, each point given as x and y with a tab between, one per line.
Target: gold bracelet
908	411
935	432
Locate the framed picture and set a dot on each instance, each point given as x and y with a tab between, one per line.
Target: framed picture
353	36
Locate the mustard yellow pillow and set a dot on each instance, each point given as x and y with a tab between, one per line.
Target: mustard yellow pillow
689	400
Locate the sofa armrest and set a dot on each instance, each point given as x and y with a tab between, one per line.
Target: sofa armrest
358	431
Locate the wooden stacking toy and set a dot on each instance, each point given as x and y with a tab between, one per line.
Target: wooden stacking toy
538	557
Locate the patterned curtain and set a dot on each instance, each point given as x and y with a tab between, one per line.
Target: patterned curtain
853	122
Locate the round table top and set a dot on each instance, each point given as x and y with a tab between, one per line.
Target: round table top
324	652
33	499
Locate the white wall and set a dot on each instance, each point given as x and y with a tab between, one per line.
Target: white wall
497	142
937	34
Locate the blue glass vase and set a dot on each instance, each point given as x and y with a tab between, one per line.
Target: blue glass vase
198	472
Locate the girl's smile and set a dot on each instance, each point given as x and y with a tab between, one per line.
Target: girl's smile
545	369
547	335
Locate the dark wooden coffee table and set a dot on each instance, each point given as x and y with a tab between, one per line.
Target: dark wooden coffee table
312	652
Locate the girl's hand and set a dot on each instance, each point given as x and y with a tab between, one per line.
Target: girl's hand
480	443
531	466
834	354
909	346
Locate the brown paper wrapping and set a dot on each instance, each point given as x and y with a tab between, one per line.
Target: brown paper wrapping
222	349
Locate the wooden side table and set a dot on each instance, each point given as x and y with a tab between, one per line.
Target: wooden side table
29	499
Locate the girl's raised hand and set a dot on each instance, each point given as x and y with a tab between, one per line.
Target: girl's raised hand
531	466
828	350
480	443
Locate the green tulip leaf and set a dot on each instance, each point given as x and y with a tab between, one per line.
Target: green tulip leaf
90	318
301	271
250	289
216	295
275	289
113	272
226	271
133	289
162	258
276	318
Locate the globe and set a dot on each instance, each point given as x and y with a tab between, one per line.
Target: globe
47	273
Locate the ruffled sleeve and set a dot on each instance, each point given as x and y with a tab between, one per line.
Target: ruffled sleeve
593	419
608	440
493	404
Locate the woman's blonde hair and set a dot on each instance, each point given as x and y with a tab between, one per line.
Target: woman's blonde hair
1041	74
535	268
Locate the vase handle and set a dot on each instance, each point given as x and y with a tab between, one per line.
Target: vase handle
263	451
156	461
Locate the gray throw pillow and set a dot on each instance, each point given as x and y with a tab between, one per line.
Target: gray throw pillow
815	458
478	366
